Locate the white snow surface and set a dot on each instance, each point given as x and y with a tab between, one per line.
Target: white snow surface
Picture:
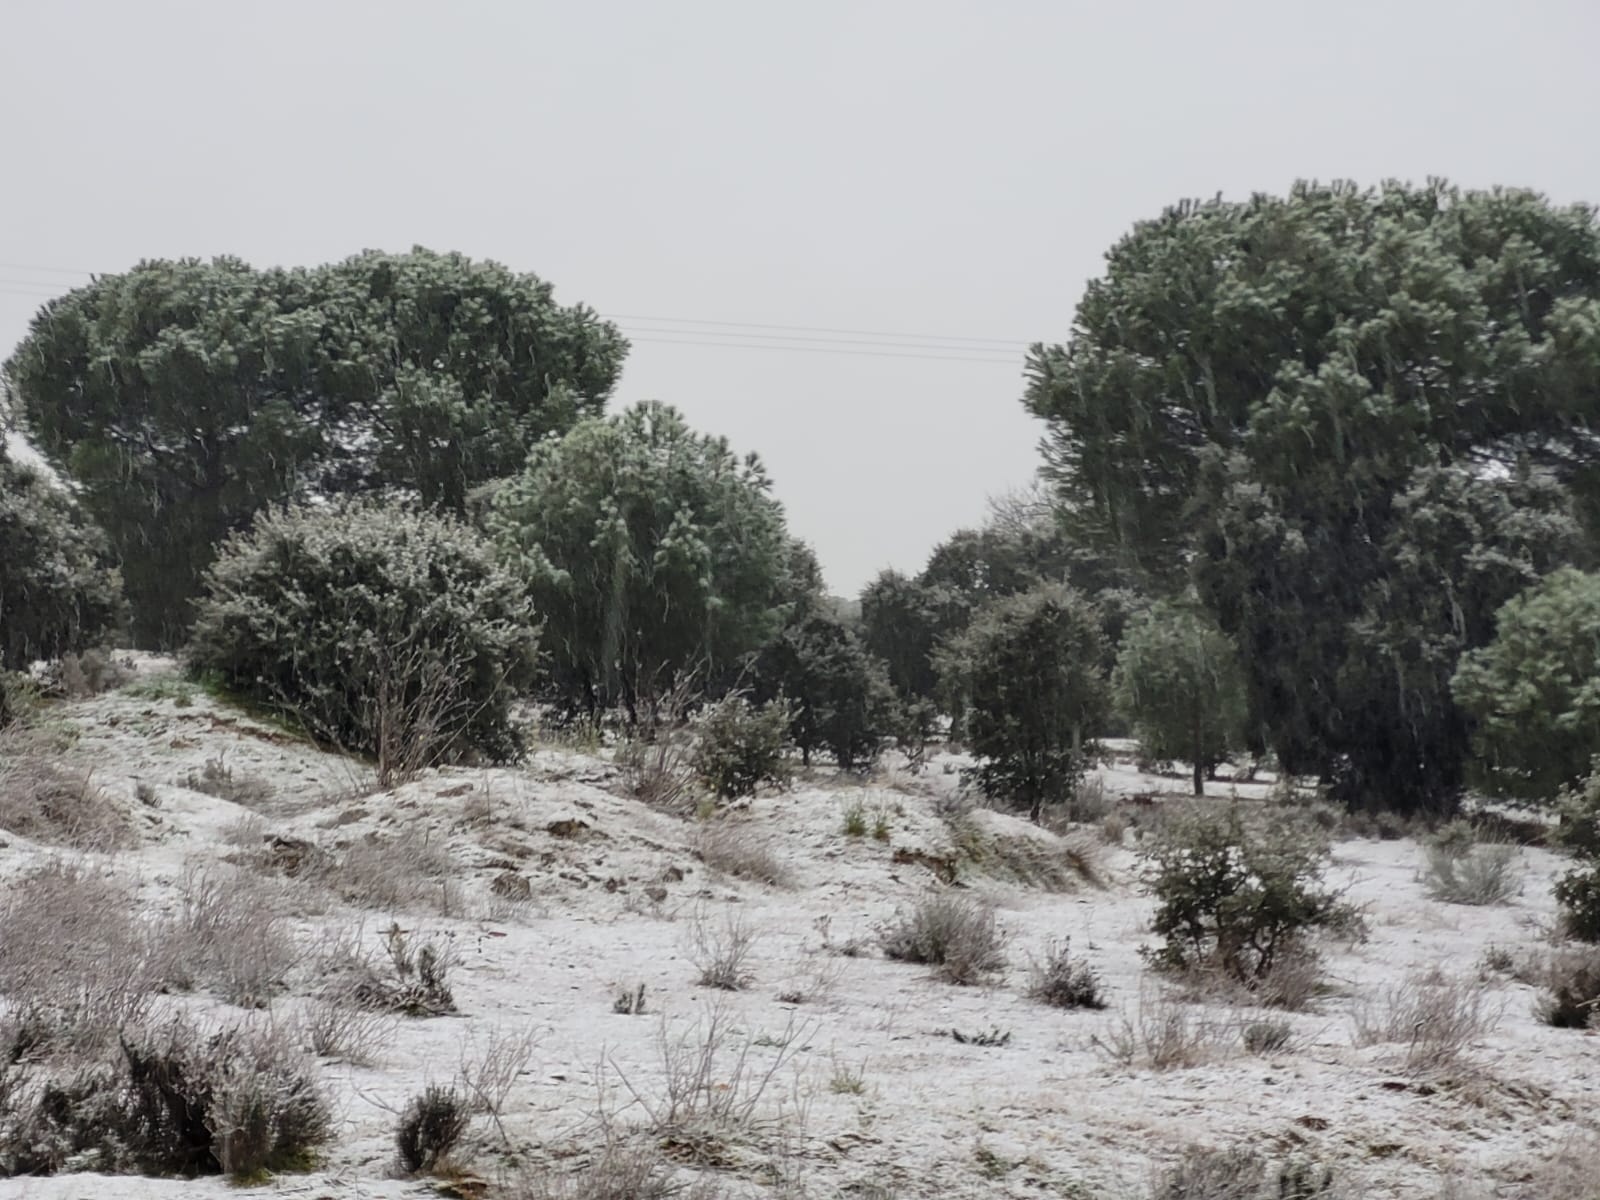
1046	1114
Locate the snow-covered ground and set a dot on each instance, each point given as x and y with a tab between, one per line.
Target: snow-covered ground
875	1099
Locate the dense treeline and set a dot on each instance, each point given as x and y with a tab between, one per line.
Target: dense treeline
1321	481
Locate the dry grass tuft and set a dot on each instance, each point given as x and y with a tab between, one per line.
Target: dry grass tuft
231	933
1160	1033
43	799
721	951
1434	1016
741	853
959	937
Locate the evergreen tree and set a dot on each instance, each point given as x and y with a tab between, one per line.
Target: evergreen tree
1028	672
839	695
1254	389
1178	682
183	397
650	551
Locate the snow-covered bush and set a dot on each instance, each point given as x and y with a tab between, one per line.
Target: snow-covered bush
380	628
741	746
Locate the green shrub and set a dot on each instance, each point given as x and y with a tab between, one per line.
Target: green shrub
1062	981
379	628
1578	893
58	593
1579	811
1232	897
741	746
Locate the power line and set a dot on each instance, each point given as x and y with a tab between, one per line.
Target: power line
877	343
831	350
937	337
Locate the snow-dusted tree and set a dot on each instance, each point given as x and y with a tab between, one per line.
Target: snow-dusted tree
1252	389
1178	682
58	592
649	551
1029	674
182	397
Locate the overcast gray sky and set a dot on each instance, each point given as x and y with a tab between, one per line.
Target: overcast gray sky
931	168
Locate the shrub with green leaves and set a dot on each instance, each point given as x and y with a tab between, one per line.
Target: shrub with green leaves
1578	894
740	746
1578	809
1534	691
379	628
1029	675
1235	897
58	592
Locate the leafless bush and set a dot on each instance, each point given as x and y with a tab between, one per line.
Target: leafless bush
1435	1017
1160	1033
230	933
959	937
721	951
1569	996
1240	1173
657	764
812	982
177	1101
401	873
488	1070
46	801
414	982
1266	1037
1571	1171
74	953
621	1171
91	673
216	778
1062	981
1461	870
709	1081
724	847
337	1025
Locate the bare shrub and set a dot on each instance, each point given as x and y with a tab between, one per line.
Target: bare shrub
813	982
1240	1173
337	1025
414	982
73	952
404	872
1459	869
231	933
724	846
1114	827
621	1171
216	778
660	770
46	801
1159	1033
1569	996
177	1101
721	951
1062	981
91	673
489	1069
1435	1017
1571	1172
711	1082
430	1127
960	938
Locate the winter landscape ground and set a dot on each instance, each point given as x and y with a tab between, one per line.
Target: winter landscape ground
834	1071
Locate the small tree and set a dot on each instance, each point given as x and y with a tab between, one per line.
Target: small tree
740	746
1028	673
649	550
838	693
1534	691
1178	681
58	593
380	628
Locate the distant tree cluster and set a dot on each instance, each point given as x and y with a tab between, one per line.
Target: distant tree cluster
1322	479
